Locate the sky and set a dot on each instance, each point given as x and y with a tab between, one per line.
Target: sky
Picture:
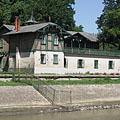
87	12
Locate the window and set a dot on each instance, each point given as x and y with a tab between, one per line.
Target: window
111	65
95	64
80	63
55	59
65	63
1	43
44	39
55	38
43	59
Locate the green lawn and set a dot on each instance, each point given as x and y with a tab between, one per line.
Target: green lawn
61	82
20	72
11	83
84	81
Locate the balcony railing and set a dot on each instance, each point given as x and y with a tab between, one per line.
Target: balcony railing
91	51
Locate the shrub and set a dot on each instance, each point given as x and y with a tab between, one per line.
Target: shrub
87	72
104	73
117	74
97	73
111	73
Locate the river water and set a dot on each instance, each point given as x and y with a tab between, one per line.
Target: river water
111	114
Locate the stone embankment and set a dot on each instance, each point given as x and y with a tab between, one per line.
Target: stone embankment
20	96
90	93
26	100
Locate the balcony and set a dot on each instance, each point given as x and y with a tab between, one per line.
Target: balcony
91	51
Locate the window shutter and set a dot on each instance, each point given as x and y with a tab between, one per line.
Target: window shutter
113	65
66	63
45	39
78	64
83	63
1	43
53	37
44	58
55	59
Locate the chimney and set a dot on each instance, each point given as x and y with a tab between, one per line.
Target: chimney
16	22
18	25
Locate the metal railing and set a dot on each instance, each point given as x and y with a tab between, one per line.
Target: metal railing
50	93
91	51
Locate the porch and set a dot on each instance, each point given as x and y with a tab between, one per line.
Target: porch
90	51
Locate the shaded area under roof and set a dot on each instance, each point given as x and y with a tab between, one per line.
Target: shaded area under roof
9	27
89	36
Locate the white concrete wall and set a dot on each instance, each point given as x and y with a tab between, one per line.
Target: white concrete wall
27	60
12	60
32	60
103	64
23	60
49	67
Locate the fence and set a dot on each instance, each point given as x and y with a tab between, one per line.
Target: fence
51	94
92	51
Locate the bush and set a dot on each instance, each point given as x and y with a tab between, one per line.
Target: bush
97	73
111	73
104	73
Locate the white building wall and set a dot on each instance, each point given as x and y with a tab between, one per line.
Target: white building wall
12	60
21	61
103	64
33	60
49	67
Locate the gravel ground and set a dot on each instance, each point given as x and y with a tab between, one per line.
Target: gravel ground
21	96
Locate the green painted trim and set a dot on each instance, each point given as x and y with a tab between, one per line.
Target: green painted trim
47	42
1	42
3	53
1	64
63	45
49	50
50	25
53	37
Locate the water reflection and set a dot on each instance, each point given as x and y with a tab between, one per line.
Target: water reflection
111	114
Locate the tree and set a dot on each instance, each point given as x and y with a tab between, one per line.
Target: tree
109	23
78	28
58	11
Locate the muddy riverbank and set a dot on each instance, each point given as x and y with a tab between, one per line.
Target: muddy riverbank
23	110
26	100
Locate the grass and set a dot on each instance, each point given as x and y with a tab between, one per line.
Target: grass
73	82
5	72
61	82
12	83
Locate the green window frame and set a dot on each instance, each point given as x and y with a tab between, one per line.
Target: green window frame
43	59
95	64
55	59
1	43
55	39
1	62
44	39
111	65
81	63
